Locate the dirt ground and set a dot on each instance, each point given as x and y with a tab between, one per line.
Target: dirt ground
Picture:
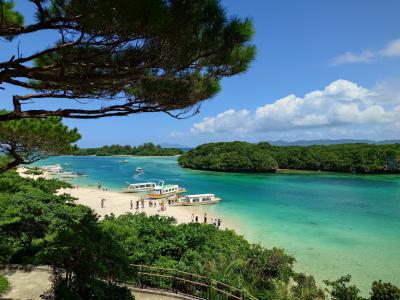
30	283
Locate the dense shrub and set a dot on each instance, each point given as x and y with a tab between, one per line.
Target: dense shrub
3	284
98	290
40	227
384	291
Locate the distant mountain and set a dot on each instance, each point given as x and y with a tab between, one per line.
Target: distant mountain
388	142
166	145
331	142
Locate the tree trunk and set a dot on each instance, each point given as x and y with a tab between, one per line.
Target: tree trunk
10	165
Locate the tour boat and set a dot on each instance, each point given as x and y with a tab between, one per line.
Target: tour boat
67	175
124	161
139	170
197	199
142	187
165	191
55	169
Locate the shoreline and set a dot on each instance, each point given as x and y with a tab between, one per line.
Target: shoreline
118	203
279	231
124	155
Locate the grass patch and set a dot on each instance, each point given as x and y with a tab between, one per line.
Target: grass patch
3	284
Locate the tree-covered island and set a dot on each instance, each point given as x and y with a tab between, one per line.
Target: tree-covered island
263	157
147	149
229	157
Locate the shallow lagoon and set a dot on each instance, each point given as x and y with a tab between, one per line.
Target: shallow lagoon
334	224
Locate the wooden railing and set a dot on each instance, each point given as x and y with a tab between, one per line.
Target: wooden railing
185	283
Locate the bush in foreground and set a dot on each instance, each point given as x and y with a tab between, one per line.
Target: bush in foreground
3	284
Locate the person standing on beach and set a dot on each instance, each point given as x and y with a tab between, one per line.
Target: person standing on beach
219	223
197	219
131	204
102	202
205	218
192	218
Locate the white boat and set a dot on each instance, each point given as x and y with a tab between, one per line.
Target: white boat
197	199
165	191
69	175
123	161
139	170
142	187
54	169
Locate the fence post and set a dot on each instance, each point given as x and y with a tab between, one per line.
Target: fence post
209	288
140	278
174	283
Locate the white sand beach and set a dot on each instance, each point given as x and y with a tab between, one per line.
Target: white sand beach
119	203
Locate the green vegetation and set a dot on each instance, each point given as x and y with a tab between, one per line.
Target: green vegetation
349	158
229	157
39	227
245	157
147	149
89	256
341	289
152	55
28	140
33	171
3	284
202	249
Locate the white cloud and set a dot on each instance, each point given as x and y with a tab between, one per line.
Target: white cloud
392	49
228	121
341	109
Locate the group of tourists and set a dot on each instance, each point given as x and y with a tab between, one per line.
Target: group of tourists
100	187
139	204
215	222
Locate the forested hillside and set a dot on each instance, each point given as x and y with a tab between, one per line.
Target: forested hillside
147	149
263	157
229	157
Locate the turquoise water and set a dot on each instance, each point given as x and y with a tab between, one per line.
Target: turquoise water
334	224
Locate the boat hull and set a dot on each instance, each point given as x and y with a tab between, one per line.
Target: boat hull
194	203
166	195
137	191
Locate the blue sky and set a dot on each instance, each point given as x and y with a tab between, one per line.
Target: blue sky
324	69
